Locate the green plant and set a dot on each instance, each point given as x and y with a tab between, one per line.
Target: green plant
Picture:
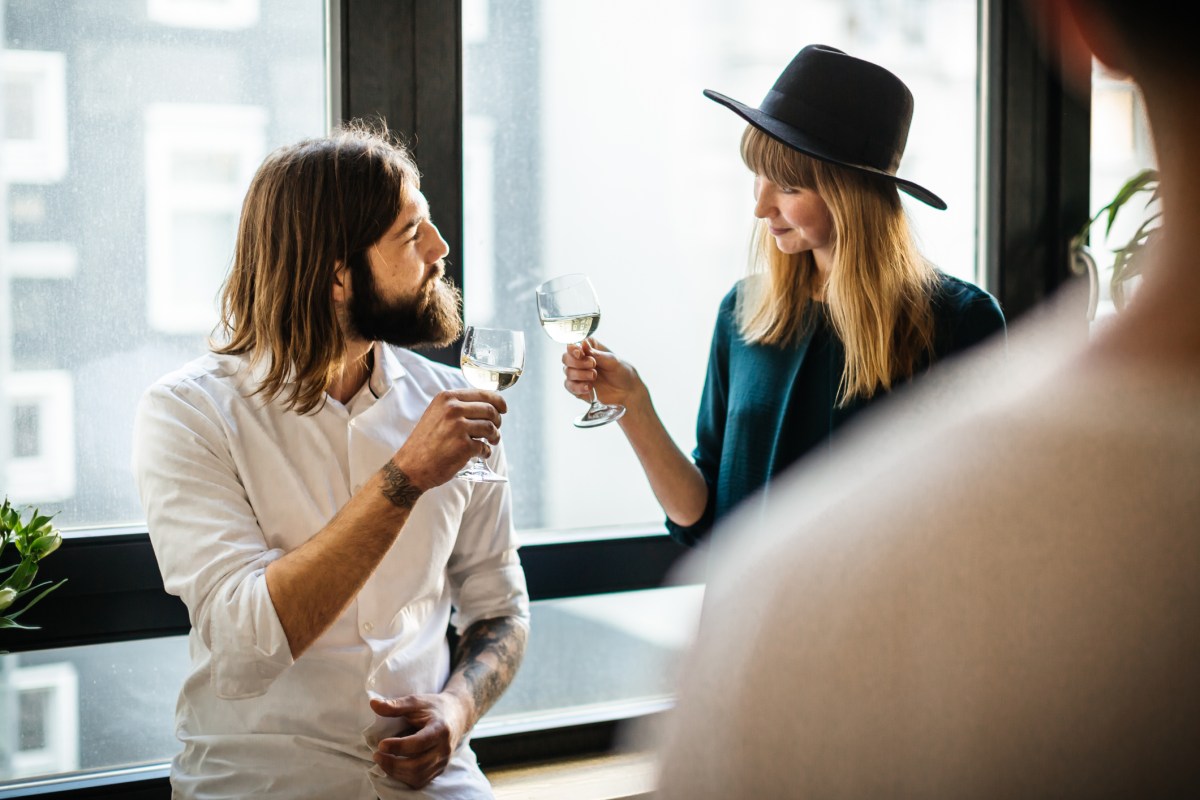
33	539
1127	258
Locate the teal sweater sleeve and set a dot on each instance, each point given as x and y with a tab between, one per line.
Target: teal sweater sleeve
710	422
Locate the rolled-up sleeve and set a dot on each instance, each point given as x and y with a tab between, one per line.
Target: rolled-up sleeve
210	549
486	577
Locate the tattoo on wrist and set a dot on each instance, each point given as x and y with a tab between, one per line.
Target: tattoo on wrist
398	488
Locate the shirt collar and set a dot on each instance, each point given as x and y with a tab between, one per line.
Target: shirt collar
387	371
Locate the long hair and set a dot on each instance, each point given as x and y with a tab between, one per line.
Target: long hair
311	207
879	289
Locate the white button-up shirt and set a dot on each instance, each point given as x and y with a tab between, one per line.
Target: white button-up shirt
229	484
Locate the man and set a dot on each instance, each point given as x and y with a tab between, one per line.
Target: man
1008	604
299	488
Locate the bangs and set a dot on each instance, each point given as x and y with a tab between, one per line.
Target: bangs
777	162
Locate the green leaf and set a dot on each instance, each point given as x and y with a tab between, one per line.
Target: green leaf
33	588
10	519
23	576
38	521
6	622
1135	185
35	600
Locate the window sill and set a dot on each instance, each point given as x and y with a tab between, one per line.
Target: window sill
617	776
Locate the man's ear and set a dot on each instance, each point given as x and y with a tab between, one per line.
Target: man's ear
341	282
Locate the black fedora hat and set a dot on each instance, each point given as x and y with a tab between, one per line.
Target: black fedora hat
840	109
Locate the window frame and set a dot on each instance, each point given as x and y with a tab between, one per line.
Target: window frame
1034	156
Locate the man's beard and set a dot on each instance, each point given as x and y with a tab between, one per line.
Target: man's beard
429	319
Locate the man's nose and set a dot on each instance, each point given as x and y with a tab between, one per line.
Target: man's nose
438	248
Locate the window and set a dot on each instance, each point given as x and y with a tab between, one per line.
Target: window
1121	147
119	217
588	147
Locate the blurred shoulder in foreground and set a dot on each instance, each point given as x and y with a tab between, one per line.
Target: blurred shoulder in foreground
993	592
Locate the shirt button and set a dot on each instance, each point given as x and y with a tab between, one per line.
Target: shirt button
368	627
357	488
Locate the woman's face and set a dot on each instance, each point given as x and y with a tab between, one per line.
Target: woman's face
798	218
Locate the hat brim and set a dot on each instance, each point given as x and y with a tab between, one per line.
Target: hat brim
798	140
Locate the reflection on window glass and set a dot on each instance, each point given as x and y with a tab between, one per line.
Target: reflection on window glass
35	110
124	716
39	717
586	655
31	719
217	14
130	134
18	107
42	438
582	156
25	431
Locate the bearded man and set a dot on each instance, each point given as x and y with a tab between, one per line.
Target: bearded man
298	488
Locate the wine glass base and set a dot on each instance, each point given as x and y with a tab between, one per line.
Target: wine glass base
600	414
481	475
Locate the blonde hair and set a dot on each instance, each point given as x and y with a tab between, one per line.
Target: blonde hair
311	207
879	288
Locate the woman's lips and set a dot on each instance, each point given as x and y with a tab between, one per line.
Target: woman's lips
779	231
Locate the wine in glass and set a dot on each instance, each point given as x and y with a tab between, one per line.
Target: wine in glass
569	313
492	358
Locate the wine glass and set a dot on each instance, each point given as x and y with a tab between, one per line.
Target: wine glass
569	313
492	358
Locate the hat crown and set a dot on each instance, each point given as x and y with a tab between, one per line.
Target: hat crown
860	111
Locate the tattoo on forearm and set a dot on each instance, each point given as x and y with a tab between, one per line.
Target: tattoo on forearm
505	638
398	488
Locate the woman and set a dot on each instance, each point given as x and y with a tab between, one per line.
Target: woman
840	308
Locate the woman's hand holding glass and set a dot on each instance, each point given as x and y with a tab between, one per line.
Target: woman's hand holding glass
592	371
570	312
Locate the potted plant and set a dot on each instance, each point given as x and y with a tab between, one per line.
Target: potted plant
1127	257
33	537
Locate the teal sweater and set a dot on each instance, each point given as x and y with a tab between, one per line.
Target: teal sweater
765	406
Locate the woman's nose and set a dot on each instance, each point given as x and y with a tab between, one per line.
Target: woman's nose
763	207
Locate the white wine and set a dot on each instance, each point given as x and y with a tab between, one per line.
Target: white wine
569	330
486	376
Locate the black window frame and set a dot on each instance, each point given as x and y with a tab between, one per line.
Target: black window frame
401	60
